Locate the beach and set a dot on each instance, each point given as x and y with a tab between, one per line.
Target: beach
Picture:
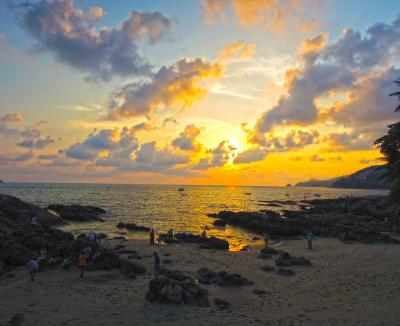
347	284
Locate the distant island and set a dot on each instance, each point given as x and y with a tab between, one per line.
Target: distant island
368	178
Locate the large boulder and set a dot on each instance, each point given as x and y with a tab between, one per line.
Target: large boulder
132	227
77	213
166	289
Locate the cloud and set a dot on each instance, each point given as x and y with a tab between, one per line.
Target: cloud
71	35
187	139
354	63
356	140
36	142
11	117
171	120
175	86
218	156
276	15
111	143
5	159
238	51
27	136
250	155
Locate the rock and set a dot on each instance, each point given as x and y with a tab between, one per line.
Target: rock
14	210
220	223
132	227
269	250
222	278
284	271
132	266
77	213
166	289
268	268
263	255
286	260
259	292
217	243
222	304
173	292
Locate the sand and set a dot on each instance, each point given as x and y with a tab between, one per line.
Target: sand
348	284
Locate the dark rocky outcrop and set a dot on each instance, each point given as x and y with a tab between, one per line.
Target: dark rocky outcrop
365	219
205	243
77	213
20	241
132	227
220	223
222	278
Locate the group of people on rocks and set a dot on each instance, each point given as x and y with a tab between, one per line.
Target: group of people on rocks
34	263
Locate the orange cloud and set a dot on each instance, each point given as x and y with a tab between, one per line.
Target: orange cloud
238	50
312	46
178	85
273	14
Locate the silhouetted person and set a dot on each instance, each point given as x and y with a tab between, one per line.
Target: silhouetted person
310	238
156	265
152	237
170	234
82	262
33	267
203	239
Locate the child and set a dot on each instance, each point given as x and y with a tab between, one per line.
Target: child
82	262
310	238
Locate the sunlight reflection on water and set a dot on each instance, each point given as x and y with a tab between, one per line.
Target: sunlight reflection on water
164	207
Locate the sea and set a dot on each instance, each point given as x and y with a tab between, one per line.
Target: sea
162	207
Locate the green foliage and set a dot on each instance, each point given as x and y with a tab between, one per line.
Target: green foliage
397	81
395	191
389	146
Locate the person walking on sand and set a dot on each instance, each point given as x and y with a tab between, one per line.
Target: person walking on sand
33	267
152	237
156	265
310	238
82	262
203	236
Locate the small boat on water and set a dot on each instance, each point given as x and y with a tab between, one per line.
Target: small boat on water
181	189
247	193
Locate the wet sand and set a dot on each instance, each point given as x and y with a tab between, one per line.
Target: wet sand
348	284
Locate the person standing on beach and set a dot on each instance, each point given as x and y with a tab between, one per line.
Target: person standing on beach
82	262
33	267
156	265
310	238
152	237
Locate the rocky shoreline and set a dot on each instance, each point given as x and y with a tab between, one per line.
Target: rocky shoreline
365	219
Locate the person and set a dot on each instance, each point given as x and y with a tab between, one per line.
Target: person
152	237
203	237
170	234
156	265
66	264
310	238
33	267
82	262
34	221
91	236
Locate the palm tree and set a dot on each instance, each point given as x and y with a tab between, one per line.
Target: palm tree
390	148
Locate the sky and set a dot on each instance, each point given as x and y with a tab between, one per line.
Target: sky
216	92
